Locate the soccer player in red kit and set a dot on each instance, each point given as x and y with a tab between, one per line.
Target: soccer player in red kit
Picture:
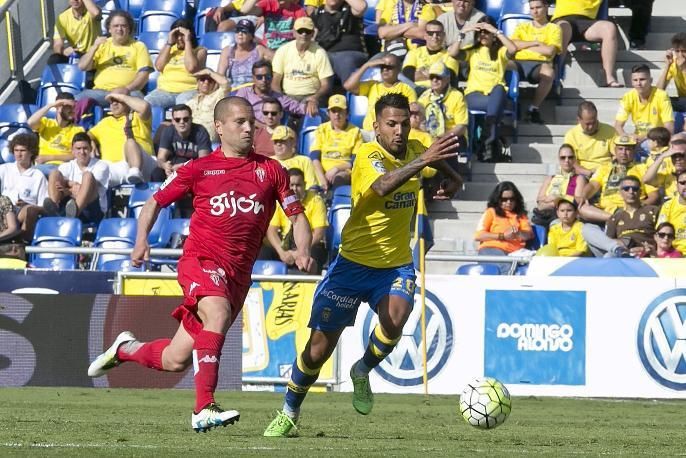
234	196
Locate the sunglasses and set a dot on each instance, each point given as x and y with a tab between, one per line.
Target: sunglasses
507	199
665	235
204	79
565	158
677	156
305	31
434	33
262	77
435	77
270	113
631	188
387	67
682	183
184	119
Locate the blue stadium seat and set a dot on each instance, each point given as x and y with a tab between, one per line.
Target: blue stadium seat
114	233
178	7
16	114
522	270
341	196
154	41
48	94
679	121
155	235
478	269
215	42
338	216
135	7
157	21
119	265
269	268
305	140
57	78
5	155
490	7
202	7
159	115
357	109
540	237
139	195
56	232
369	17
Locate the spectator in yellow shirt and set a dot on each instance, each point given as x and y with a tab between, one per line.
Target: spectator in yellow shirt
606	181
280	235
577	18
373	90
564	236
419	60
538	42
417	125
119	61
403	22
591	139
124	139
55	135
674	211
76	29
335	143
675	69
301	67
284	151
646	105
662	172
178	60
444	106
486	89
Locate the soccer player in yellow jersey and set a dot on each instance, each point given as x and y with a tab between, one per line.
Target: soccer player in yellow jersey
335	143
375	262
646	105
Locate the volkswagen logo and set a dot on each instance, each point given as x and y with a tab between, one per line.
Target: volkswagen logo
662	339
403	366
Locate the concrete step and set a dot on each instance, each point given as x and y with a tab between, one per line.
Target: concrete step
590	74
536	153
515	172
480	191
543	130
566	114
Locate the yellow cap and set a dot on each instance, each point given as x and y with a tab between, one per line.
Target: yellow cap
338	101
439	68
625	140
303	23
282	133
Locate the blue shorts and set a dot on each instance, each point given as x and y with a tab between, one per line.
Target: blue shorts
347	284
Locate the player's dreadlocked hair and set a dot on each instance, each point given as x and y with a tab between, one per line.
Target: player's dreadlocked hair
391	100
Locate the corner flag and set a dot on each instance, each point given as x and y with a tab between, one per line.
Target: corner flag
422	232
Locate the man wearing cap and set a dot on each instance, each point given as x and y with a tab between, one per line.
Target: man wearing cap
335	143
607	179
273	113
444	106
418	60
212	87
261	90
236	60
279	16
339	31
374	90
301	67
284	151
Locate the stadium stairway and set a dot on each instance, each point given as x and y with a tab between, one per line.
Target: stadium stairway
534	155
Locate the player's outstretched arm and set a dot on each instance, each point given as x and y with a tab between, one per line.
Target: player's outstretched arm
146	219
302	235
443	148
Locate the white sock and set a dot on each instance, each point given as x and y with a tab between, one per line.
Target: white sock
294	414
360	369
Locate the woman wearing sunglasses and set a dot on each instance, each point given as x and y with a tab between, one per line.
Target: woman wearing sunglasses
664	236
504	228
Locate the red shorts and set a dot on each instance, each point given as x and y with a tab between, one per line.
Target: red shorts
204	277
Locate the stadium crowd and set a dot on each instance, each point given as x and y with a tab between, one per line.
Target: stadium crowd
311	73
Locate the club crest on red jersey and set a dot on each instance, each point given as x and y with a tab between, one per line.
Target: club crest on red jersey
260	174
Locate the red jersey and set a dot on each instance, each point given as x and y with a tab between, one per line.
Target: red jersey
234	200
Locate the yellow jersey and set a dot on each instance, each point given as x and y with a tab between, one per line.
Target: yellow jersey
117	66
390	14
315	210
111	139
679	77
304	163
567	243
79	33
484	73
374	90
377	234
422	59
654	113
587	8
336	147
666	168
54	139
609	176
550	34
594	150
174	77
674	212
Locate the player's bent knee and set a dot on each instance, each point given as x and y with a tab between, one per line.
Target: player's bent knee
175	366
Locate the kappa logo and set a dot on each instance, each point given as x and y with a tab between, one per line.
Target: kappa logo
403	367
209	359
193	286
661	339
216	275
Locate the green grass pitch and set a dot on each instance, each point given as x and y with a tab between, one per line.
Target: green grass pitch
97	422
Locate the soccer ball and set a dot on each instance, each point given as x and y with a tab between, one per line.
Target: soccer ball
485	403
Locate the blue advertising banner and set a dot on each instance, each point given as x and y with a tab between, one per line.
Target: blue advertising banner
536	337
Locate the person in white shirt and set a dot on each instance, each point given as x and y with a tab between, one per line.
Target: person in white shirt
23	183
78	188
